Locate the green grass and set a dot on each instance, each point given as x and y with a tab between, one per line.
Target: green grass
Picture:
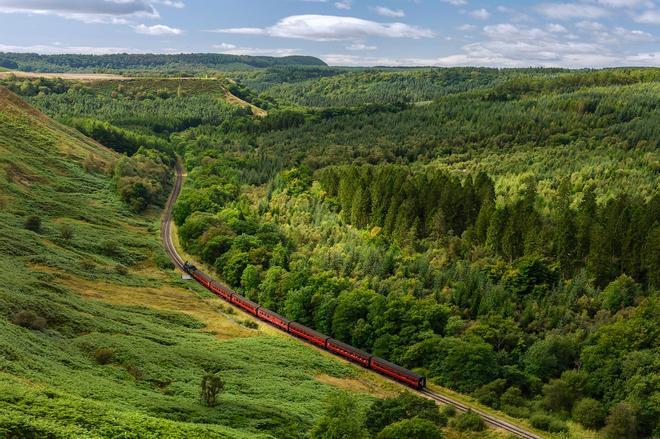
50	383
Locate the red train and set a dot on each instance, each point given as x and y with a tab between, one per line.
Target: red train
358	356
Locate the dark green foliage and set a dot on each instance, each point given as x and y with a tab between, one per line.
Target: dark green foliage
28	319
620	293
211	386
342	420
165	63
33	223
405	406
547	423
414	428
469	421
622	422
589	413
104	355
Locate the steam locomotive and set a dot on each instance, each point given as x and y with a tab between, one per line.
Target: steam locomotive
355	355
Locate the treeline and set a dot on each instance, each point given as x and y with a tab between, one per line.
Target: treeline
619	236
32	62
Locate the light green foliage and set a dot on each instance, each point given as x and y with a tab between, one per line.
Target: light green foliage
414	428
342	420
77	367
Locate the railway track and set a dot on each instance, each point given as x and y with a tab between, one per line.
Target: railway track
166	236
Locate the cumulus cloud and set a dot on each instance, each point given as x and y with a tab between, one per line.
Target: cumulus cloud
157	30
91	11
232	49
332	28
54	49
480	14
652	16
345	4
387	12
567	11
456	2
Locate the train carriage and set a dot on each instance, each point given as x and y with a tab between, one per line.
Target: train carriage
348	351
245	303
308	334
399	373
273	318
221	291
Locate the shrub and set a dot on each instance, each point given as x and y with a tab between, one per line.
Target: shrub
109	247
33	223
589	413
163	261
104	355
210	388
87	265
414	428
449	411
405	406
29	319
621	422
469	421
66	232
250	324
121	270
547	423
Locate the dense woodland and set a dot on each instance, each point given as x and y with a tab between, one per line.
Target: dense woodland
162	64
503	239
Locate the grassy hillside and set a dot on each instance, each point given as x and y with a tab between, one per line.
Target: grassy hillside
90	344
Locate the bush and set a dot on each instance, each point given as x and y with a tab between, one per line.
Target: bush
87	265
622	422
589	413
121	270
163	261
547	423
250	324
449	411
33	223
210	387
66	232
469	421
109	247
29	319
414	428
104	355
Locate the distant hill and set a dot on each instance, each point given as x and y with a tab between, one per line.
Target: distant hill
193	62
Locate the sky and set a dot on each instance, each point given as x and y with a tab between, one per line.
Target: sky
498	33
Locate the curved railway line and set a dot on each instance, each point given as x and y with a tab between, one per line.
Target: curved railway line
489	419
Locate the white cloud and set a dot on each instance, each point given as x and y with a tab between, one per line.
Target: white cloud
89	11
589	25
157	30
652	16
480	14
333	28
232	49
623	3
387	12
556	28
54	49
456	2
466	27
345	4
567	11
360	47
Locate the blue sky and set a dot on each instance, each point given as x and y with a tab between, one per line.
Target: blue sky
506	33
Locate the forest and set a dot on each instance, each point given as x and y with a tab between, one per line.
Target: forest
497	231
163	64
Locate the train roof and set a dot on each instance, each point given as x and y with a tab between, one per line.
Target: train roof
308	330
348	347
245	300
274	314
393	366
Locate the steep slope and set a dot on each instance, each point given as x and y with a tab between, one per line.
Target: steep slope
90	344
